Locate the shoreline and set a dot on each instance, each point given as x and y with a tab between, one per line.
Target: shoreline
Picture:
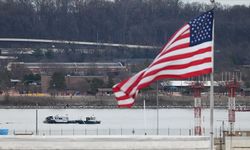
104	107
109	102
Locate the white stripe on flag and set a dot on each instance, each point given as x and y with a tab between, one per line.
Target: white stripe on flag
131	80
183	29
126	102
185	50
179	42
177	72
182	61
119	94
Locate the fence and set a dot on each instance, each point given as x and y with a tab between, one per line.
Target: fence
121	131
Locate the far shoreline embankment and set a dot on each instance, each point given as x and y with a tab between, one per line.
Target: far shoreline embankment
109	102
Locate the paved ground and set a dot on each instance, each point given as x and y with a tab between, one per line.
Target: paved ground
103	142
237	143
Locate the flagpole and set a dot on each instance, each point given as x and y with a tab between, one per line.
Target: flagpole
212	91
212	111
144	114
157	107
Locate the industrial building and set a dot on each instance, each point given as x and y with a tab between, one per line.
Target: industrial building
83	68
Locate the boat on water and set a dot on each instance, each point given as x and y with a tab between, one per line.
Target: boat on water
57	119
65	120
91	120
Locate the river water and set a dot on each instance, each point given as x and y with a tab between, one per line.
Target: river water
118	121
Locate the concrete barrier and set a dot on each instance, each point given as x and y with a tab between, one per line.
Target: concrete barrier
105	142
237	143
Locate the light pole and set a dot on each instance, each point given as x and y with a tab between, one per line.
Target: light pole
36	119
54	88
222	139
67	84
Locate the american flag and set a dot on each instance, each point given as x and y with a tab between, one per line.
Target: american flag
187	54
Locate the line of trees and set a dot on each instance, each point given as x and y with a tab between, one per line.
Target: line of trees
149	22
131	21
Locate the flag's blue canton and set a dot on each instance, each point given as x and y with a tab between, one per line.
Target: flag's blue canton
201	28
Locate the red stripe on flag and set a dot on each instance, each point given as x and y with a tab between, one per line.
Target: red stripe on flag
123	97
183	76
116	89
176	67
126	105
181	46
171	38
122	83
182	56
183	36
194	63
134	83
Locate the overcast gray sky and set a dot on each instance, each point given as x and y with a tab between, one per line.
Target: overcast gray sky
226	2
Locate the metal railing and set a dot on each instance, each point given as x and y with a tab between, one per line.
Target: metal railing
109	131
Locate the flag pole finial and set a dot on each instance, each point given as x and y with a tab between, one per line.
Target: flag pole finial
213	3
